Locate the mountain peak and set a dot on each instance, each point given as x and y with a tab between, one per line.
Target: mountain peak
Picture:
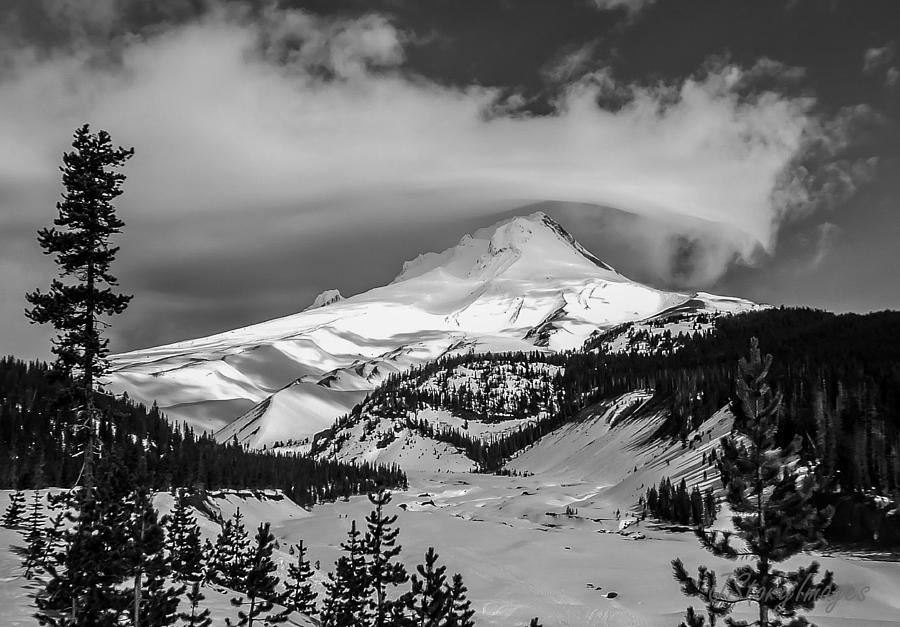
325	298
532	243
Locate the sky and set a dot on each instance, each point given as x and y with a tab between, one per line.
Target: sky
749	148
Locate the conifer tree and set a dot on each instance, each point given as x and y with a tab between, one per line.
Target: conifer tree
348	588
77	302
299	595
381	548
154	603
13	518
85	578
429	600
231	554
461	612
183	541
35	540
535	623
770	495
259	584
196	617
55	534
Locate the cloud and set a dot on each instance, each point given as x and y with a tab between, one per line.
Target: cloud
876	61
283	126
892	77
877	57
632	6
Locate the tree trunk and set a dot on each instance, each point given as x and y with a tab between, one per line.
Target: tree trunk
138	577
88	478
137	597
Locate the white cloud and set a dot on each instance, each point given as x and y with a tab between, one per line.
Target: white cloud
297	114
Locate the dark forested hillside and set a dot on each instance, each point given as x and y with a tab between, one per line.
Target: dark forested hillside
839	376
39	447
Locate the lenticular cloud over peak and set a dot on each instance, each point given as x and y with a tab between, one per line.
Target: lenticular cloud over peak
304	111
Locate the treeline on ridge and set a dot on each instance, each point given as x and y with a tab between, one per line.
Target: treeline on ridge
40	445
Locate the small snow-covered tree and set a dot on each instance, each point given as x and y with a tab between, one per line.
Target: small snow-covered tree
771	497
259	584
299	595
35	536
183	541
86	576
348	588
381	549
154	603
429	600
231	554
461	612
196	617
13	518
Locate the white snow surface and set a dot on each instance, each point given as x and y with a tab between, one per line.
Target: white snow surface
519	553
521	283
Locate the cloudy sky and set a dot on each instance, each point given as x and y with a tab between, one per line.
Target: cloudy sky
284	148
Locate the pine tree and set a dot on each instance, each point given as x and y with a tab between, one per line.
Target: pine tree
231	554
183	541
196	617
259	584
381	548
13	517
429	601
83	253
299	596
154	603
771	496
535	623
461	612
35	540
348	587
86	576
55	534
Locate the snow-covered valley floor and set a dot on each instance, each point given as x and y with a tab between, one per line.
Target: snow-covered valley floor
521	556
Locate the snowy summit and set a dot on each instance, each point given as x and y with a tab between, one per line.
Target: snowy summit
520	284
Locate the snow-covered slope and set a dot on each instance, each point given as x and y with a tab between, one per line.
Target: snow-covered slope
520	284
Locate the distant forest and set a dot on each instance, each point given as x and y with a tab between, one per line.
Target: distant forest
39	447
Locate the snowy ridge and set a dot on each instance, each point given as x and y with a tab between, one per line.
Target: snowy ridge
481	399
520	284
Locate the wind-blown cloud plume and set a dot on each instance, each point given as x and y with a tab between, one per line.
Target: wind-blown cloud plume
314	126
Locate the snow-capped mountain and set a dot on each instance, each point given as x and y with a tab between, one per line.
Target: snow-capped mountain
517	285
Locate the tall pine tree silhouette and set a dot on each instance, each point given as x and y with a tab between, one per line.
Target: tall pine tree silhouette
771	497
84	294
